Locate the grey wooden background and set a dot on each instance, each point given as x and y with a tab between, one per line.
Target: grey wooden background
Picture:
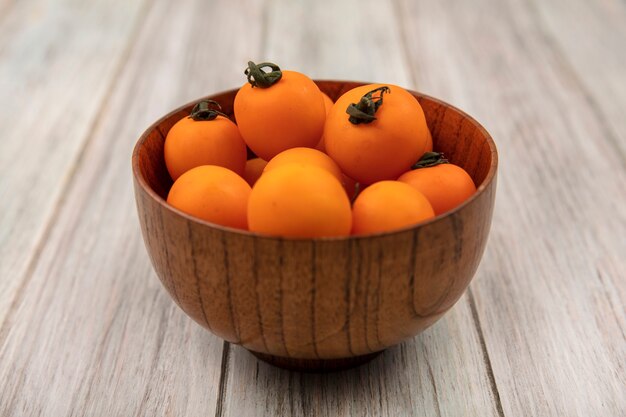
85	327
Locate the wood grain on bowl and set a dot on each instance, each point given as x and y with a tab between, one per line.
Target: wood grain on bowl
319	299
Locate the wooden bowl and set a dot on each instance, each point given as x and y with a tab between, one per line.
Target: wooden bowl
326	303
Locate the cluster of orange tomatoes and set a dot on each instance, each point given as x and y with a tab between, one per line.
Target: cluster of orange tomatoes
363	164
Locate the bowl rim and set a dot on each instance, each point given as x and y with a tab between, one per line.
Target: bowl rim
139	178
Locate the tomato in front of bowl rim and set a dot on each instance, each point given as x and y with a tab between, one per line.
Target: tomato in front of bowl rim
388	205
206	137
444	184
212	193
299	200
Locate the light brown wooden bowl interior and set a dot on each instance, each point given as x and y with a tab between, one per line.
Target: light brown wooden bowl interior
327	298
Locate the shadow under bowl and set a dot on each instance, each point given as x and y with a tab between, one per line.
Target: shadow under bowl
326	303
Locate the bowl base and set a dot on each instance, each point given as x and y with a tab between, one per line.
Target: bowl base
316	365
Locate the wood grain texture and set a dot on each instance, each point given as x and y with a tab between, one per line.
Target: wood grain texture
551	301
435	374
593	58
57	60
319	298
346	40
94	333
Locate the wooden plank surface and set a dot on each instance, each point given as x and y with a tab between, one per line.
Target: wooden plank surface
595	56
439	373
94	333
57	60
85	327
550	301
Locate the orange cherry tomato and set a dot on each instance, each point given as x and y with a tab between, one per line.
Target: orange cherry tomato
328	104
429	142
212	193
254	169
445	185
278	110
388	205
299	200
349	185
382	136
305	156
321	145
204	138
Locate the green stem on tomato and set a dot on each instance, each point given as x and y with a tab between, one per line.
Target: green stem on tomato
364	111
203	111
259	78
430	159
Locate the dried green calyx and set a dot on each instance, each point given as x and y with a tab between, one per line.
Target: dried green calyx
430	159
259	78
206	110
365	110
